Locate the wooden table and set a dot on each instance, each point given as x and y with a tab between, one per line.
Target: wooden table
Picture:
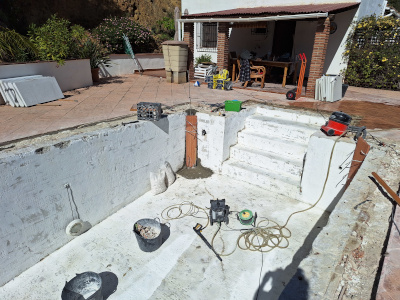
278	64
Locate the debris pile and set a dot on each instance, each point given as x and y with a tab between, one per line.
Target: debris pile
147	232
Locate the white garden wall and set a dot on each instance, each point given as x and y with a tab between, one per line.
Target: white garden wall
72	75
106	169
123	64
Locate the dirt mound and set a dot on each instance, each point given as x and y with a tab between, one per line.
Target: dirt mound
371	115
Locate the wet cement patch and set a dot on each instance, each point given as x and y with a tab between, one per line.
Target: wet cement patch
197	172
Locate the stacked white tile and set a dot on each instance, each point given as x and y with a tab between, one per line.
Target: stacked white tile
271	149
29	90
8	92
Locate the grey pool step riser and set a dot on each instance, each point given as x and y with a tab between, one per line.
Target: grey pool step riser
267	161
302	117
279	147
279	129
287	187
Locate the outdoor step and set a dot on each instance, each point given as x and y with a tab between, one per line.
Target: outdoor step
287	185
305	117
285	129
267	160
275	145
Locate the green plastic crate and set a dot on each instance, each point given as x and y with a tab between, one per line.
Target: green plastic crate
233	105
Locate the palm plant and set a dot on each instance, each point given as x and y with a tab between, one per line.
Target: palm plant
92	49
15	47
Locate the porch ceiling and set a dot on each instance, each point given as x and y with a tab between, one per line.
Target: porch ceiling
278	10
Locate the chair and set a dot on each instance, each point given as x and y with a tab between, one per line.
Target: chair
256	72
232	64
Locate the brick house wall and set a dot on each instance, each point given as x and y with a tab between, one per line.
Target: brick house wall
318	55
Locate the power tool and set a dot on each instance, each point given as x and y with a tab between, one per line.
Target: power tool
219	212
198	228
339	122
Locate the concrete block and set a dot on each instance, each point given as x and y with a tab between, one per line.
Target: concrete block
179	77
176	77
169	77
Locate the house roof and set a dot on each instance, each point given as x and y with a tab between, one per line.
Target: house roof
278	10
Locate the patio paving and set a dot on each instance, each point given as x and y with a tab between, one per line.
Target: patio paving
109	99
114	97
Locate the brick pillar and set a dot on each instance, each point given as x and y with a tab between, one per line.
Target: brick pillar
223	46
188	37
318	55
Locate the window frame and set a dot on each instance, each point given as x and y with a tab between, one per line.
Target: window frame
203	45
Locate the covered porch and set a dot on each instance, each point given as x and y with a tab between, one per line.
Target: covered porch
274	36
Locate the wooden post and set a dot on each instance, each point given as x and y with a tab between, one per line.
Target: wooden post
191	141
387	188
361	151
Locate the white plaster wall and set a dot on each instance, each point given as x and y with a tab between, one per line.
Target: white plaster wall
316	167
72	75
304	41
371	7
122	64
106	170
334	62
241	39
214	147
195	7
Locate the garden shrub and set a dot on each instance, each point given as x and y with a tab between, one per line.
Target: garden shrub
110	33
373	54
56	39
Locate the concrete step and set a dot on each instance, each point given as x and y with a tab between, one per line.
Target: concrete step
267	160
287	185
305	117
285	129
274	145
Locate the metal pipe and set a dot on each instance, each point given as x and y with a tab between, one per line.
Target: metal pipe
257	19
179	31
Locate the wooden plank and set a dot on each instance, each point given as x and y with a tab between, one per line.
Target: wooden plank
191	141
361	151
387	188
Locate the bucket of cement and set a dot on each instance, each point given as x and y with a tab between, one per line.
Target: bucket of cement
148	234
85	286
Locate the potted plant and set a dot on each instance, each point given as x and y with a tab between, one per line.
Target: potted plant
204	59
92	49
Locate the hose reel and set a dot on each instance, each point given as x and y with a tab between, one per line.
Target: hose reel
246	217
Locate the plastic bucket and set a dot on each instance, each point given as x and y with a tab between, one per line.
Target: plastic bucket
85	286
154	241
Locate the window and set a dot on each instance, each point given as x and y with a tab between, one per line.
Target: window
207	36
